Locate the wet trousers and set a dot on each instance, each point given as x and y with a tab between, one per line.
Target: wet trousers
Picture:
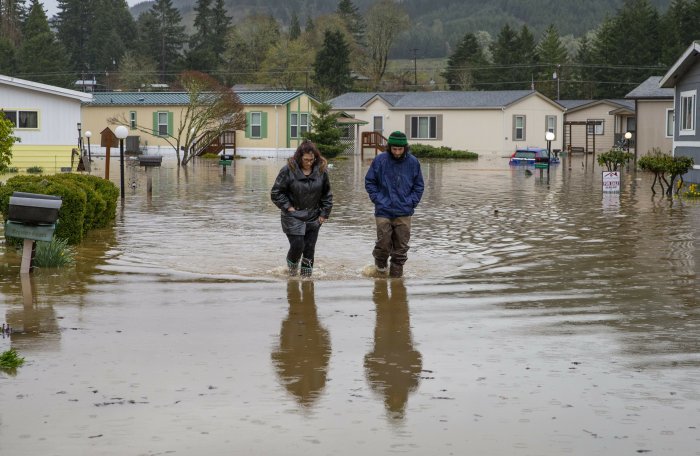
392	240
303	244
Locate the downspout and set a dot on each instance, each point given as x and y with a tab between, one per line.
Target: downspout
277	132
503	126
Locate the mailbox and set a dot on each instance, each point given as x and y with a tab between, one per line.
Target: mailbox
34	208
150	160
226	157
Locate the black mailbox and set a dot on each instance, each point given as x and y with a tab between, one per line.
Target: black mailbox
150	160
34	208
226	157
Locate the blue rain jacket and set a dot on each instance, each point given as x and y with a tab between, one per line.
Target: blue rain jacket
395	186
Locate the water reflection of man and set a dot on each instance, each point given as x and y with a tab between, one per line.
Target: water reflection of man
393	367
305	348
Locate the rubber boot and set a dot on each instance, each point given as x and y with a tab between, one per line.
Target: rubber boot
396	270
382	266
292	267
307	267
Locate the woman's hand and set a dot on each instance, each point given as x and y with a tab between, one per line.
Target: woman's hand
321	220
291	209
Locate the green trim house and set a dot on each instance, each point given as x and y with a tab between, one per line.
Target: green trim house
275	119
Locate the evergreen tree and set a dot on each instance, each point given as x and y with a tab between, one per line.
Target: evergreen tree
325	132
41	57
332	65
584	74
679	28
162	37
505	57
95	33
12	15
294	27
526	59
309	24
465	65
219	26
354	21
8	63
200	55
553	56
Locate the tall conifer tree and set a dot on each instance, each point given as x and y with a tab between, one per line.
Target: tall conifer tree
162	37
41	57
332	65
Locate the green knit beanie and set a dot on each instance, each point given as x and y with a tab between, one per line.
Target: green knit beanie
397	139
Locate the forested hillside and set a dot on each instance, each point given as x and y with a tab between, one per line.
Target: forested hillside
437	25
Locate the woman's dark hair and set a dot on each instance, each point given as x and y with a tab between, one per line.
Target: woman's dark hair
308	147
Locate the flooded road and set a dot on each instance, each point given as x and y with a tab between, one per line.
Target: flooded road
533	319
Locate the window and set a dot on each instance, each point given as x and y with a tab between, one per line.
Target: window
132	120
632	124
551	124
423	127
686	117
255	124
518	128
378	123
162	124
670	120
23	119
299	124
598	128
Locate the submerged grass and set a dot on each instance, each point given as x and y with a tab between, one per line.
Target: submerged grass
10	361
54	254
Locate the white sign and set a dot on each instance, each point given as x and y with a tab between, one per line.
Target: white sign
611	181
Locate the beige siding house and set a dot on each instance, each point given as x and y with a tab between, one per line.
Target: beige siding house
275	120
488	123
46	121
654	108
609	121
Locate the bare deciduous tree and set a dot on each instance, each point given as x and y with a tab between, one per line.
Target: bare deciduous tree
385	21
212	109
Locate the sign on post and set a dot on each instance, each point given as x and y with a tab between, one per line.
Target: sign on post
611	181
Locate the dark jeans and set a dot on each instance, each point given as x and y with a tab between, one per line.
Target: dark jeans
392	239
304	245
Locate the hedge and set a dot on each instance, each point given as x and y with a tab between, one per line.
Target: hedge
88	201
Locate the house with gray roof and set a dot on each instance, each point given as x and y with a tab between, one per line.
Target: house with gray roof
275	119
46	118
485	122
684	79
654	110
597	125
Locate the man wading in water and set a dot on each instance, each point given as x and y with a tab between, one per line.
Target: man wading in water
394	183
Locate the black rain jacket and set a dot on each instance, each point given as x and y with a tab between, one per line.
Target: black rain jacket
310	196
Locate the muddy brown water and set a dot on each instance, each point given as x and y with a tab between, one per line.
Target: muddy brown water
534	319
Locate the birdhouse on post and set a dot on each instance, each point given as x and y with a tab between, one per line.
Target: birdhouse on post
108	140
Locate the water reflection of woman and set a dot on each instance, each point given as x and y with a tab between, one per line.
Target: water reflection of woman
305	348
393	367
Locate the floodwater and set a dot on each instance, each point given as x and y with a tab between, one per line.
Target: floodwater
534	319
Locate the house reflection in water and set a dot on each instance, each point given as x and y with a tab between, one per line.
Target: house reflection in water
393	367
304	348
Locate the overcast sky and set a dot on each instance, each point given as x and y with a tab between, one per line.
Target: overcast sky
51	6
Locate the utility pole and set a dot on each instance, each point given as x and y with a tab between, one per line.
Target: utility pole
415	69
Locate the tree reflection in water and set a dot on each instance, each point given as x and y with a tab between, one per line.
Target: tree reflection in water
305	348
393	367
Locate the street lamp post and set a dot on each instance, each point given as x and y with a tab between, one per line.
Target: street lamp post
88	135
549	136
628	137
121	132
80	138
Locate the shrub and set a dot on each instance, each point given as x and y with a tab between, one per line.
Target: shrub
427	151
35	170
693	191
661	164
613	159
76	217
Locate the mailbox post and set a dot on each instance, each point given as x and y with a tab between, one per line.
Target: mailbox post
31	217
226	160
148	162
